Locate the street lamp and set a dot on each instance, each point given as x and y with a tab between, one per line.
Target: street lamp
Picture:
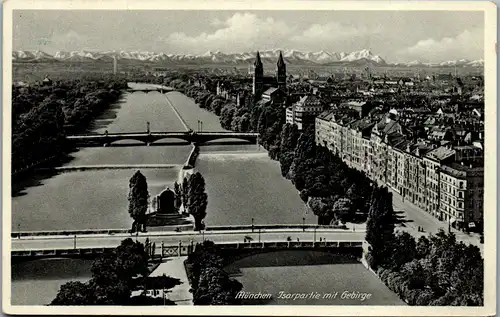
201	126
259	235
19	231
252	224
74	242
303	224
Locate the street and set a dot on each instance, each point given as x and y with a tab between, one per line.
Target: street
415	217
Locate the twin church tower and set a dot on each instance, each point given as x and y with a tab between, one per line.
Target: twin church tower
260	82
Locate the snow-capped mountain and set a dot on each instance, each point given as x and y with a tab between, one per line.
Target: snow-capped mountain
451	63
31	55
292	57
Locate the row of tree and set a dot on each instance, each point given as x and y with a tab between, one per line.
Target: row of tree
114	276
42	115
435	270
210	284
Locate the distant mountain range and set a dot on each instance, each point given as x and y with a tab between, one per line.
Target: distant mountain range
292	57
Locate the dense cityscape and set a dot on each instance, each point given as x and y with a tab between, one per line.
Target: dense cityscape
143	179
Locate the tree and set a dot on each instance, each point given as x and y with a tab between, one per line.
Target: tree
197	199
185	190
342	208
73	293
138	198
404	250
286	160
114	275
178	195
210	284
380	227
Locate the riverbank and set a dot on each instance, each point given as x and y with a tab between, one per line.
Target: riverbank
42	115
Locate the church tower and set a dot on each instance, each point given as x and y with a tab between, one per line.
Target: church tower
258	76
281	72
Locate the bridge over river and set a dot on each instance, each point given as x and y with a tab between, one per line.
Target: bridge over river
155	88
148	138
68	244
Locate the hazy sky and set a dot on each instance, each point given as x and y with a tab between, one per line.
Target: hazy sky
394	35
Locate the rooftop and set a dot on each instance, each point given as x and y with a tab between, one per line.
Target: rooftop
440	153
270	91
463	170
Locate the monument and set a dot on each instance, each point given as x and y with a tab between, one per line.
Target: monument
166	203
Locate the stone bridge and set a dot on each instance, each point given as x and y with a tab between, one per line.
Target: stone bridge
162	90
236	243
232	251
146	138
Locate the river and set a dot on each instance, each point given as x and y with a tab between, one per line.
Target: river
241	182
333	278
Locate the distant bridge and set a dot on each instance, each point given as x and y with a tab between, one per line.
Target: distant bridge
151	137
162	90
180	243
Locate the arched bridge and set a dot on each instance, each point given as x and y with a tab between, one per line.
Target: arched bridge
151	137
162	90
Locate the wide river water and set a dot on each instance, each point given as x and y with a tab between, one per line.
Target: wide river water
241	181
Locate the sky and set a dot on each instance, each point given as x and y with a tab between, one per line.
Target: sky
397	36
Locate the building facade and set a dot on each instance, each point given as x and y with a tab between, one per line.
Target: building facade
423	173
303	113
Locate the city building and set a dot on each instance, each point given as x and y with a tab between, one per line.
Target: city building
303	112
433	161
260	82
461	195
429	170
362	107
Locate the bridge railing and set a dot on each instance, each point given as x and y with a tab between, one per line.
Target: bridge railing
228	132
208	229
179	249
140	133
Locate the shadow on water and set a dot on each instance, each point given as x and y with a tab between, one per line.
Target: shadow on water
135	144
231	142
36	177
48	269
172	220
289	258
103	120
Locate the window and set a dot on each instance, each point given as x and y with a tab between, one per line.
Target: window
460	205
460	195
461	185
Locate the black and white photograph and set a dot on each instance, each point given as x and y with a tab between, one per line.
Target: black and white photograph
300	157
